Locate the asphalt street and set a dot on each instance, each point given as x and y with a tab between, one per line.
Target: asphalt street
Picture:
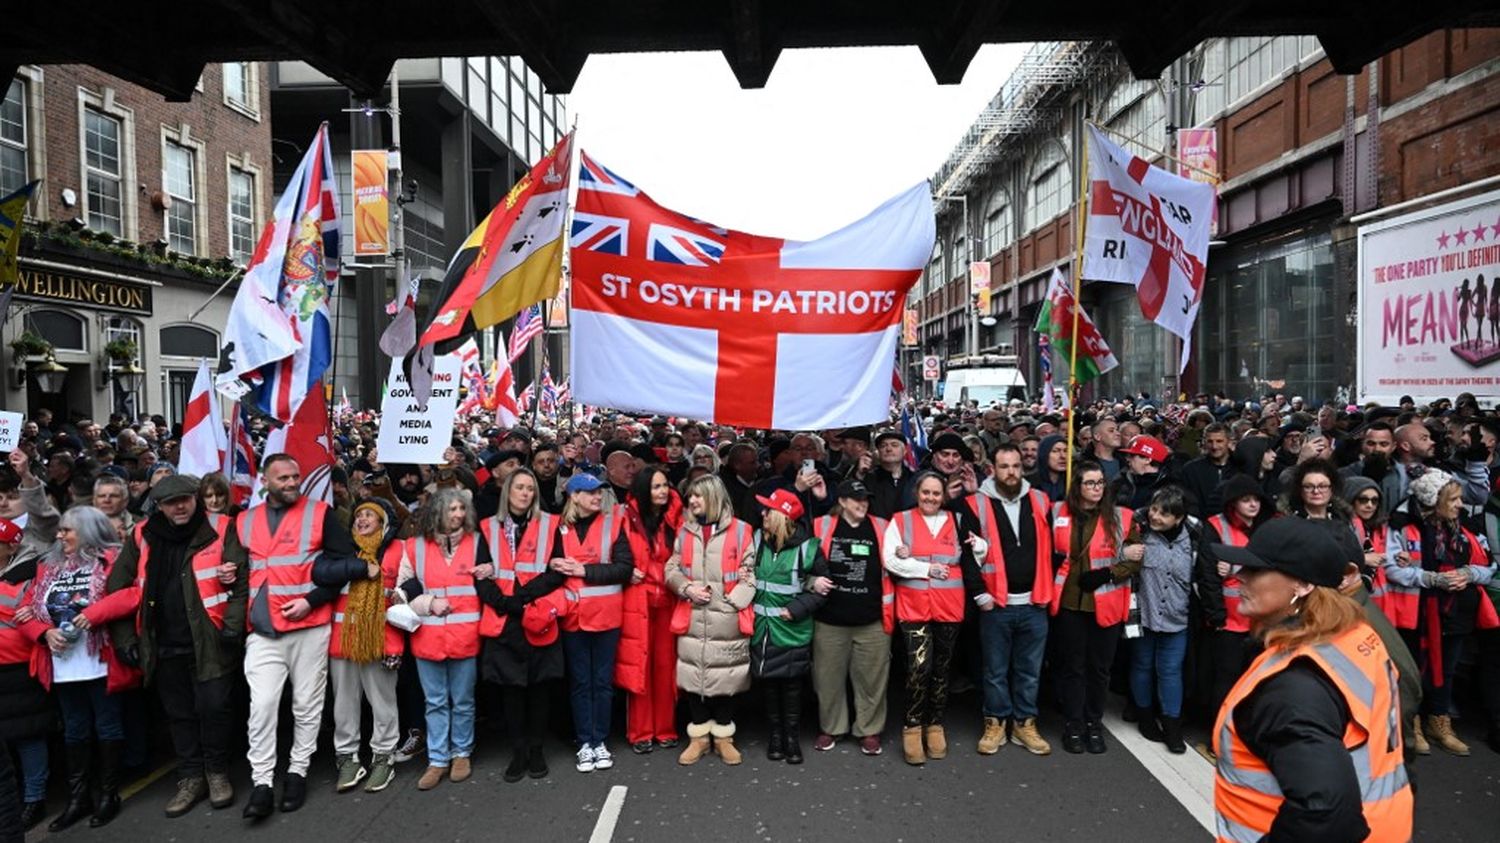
835	795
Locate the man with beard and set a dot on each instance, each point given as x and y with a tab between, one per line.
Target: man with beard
184	633
1202	476
545	465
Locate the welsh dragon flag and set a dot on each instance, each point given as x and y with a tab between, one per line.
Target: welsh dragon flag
1055	321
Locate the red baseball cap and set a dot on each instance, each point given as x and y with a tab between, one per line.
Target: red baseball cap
9	532
783	501
541	617
1149	447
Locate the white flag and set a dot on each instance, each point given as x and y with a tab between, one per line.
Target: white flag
204	440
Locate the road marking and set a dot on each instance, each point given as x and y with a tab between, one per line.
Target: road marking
146	781
604	829
1188	777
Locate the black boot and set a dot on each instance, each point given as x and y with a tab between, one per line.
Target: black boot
1492	738
262	802
775	743
110	753
1147	724
1171	728
536	762
33	813
516	769
1073	737
1093	737
293	792
791	718
79	804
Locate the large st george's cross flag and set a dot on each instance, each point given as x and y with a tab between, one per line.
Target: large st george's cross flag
673	315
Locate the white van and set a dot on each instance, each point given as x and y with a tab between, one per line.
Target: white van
985	384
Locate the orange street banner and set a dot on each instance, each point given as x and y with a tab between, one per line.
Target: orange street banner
909	326
979	284
557	313
372	215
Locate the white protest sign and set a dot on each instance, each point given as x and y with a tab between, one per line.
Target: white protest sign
410	433
10	431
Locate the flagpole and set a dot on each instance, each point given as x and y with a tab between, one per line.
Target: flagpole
541	363
1083	216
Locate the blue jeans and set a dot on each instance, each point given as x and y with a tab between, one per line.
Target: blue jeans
448	687
591	682
1157	658
33	755
89	711
1012	639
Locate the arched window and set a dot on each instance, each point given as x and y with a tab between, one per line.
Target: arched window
1050	187
189	341
998	223
1137	113
62	329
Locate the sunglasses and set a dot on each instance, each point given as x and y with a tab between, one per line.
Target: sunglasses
1367	499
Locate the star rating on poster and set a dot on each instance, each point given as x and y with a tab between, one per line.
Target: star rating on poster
1461	236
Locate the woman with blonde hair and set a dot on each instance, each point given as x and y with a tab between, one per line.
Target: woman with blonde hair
711	571
1308	743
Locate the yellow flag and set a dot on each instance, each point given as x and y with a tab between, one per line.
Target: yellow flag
12	211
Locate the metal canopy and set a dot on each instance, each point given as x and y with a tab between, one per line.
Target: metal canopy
164	44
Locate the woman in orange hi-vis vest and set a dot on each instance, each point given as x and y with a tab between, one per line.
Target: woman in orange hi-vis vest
1227	652
1308	742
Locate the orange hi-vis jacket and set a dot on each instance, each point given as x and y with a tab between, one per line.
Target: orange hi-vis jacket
921	599
1402	603
1379	541
597	607
1247	797
15	644
456	634
282	563
1230	533
738	536
395	641
533	552
824	527
1111	600
992	567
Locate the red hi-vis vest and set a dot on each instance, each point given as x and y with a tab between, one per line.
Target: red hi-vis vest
395	642
738	537
824	527
1380	591
515	568
1111	600
1230	534
919	599
992	568
1402	603
456	634
596	607
1246	794
15	645
282	563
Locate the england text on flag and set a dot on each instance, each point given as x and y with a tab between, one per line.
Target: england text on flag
278	340
1148	228
736	328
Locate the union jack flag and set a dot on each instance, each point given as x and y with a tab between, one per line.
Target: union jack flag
596	177
565	392
549	392
239	460
523	401
675	245
529	325
599	233
916	438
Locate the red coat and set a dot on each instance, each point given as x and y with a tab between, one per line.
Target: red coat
120	676
649	595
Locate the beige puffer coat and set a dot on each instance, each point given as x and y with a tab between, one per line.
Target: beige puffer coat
713	657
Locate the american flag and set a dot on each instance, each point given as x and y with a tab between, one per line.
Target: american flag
529	324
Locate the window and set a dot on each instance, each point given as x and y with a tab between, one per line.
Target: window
104	203
63	330
239	87
179	390
14	171
1210	100
179	176
1050	190
124	400
998	224
189	341
1252	62
241	216
1137	111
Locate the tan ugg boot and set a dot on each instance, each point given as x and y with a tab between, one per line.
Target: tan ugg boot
1441	728
697	744
993	737
1419	742
724	743
937	743
911	745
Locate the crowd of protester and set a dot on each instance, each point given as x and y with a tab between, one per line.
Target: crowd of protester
686	564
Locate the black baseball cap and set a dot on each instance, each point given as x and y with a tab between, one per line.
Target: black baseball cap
1296	547
853	490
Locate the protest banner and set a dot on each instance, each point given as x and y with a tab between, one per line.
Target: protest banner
10	431
1429	307
410	432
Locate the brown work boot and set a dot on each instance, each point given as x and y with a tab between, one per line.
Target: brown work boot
697	744
937	743
993	737
724	743
431	777
1024	733
1441	728
220	790
189	793
911	745
1419	742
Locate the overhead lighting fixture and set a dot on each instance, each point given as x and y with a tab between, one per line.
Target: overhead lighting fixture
50	375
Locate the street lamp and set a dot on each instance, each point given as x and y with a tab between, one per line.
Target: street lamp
131	377
50	375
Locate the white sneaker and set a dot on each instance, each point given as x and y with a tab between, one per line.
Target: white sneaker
585	760
602	759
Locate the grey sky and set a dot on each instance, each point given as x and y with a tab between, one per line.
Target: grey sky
833	134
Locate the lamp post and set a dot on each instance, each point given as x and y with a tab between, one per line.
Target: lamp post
50	375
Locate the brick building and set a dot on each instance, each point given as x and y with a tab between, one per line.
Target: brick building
144	209
1300	151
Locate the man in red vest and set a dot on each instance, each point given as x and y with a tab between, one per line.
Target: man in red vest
185	633
295	556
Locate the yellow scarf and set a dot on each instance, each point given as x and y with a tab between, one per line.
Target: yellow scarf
364	614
